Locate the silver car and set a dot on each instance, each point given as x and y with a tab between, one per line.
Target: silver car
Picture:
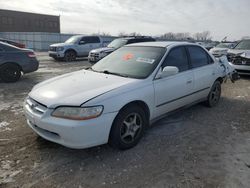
77	46
239	57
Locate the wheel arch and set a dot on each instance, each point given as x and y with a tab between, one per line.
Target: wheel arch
138	103
70	49
143	105
220	79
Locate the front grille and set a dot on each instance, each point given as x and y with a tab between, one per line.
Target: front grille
35	106
230	57
95	55
238	60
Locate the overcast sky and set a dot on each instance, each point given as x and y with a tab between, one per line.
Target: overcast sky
149	17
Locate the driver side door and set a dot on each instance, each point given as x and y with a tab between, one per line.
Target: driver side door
174	91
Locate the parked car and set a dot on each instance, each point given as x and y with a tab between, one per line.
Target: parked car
222	48
97	54
17	44
14	61
117	98
239	57
77	46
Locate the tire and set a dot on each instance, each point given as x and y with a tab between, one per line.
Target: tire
57	59
214	95
128	128
70	56
10	73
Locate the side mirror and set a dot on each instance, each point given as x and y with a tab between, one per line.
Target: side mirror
167	71
82	42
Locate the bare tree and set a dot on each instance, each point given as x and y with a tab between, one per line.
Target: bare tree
175	36
121	34
102	34
203	36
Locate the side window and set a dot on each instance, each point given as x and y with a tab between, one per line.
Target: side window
94	40
178	58
198	56
89	40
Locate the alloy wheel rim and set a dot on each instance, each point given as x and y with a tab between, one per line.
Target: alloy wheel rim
215	95
131	127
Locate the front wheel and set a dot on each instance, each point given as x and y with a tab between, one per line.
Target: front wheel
214	95
70	56
128	128
10	73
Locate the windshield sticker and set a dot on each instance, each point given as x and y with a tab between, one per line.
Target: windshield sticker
145	60
127	57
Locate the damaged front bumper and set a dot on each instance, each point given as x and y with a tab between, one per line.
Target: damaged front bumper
229	71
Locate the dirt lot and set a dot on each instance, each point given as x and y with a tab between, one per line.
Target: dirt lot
195	147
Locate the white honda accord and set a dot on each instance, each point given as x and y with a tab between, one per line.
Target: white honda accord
116	99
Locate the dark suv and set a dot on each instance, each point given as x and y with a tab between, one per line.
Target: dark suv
97	54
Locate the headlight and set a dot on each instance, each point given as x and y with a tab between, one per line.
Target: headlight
78	113
60	48
103	54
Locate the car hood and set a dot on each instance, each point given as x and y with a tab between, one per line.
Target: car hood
235	51
106	50
219	49
76	88
59	45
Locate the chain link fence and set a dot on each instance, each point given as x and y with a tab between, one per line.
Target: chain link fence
37	41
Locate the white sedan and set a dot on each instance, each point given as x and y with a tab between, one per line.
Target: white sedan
116	99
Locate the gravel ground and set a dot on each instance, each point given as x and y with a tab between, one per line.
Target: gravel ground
195	147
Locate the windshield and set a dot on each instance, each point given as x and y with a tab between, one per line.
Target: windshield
73	39
243	45
117	43
225	45
131	61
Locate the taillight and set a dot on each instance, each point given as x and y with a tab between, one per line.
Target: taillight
31	54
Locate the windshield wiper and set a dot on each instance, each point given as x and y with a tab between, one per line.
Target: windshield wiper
90	68
114	73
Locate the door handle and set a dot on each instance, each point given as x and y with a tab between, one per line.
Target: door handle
189	81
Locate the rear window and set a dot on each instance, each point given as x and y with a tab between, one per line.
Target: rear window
9	47
198	56
177	57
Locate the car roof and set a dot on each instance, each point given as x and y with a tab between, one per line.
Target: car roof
163	44
136	37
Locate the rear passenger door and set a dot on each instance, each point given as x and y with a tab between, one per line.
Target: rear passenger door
86	44
203	68
174	91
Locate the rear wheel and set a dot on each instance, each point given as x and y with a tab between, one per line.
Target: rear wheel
70	56
10	73
128	128
214	95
